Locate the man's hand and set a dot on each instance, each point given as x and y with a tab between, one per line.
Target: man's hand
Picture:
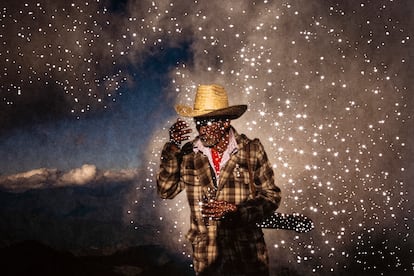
216	210
178	132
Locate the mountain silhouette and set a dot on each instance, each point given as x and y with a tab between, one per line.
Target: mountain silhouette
35	258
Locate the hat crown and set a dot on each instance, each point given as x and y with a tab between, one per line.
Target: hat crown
210	98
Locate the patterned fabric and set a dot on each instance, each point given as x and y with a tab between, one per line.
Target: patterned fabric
216	160
234	245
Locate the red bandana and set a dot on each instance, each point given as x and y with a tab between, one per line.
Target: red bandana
216	160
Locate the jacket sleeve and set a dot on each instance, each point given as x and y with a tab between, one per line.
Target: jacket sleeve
268	195
168	176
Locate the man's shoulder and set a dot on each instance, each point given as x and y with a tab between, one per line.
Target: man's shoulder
187	148
243	139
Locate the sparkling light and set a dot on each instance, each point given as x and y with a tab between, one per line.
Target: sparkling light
327	88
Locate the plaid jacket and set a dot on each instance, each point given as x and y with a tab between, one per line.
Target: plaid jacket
234	242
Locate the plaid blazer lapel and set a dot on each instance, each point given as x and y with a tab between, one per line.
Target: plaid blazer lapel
235	158
226	171
202	165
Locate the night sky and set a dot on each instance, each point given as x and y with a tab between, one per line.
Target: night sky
88	89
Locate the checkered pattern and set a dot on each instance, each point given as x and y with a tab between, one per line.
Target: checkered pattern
234	244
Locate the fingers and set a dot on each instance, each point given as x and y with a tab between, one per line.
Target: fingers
217	209
178	132
180	124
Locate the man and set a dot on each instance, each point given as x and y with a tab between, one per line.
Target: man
215	170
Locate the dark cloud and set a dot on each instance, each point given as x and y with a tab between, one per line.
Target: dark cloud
72	58
41	104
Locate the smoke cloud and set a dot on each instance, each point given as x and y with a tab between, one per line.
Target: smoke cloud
331	105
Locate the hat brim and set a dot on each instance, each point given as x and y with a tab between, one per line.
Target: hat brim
231	112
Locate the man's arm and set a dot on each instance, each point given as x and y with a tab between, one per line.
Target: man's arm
168	176
268	195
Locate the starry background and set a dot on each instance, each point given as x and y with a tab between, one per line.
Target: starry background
87	96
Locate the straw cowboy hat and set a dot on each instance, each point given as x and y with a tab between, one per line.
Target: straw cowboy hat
211	101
